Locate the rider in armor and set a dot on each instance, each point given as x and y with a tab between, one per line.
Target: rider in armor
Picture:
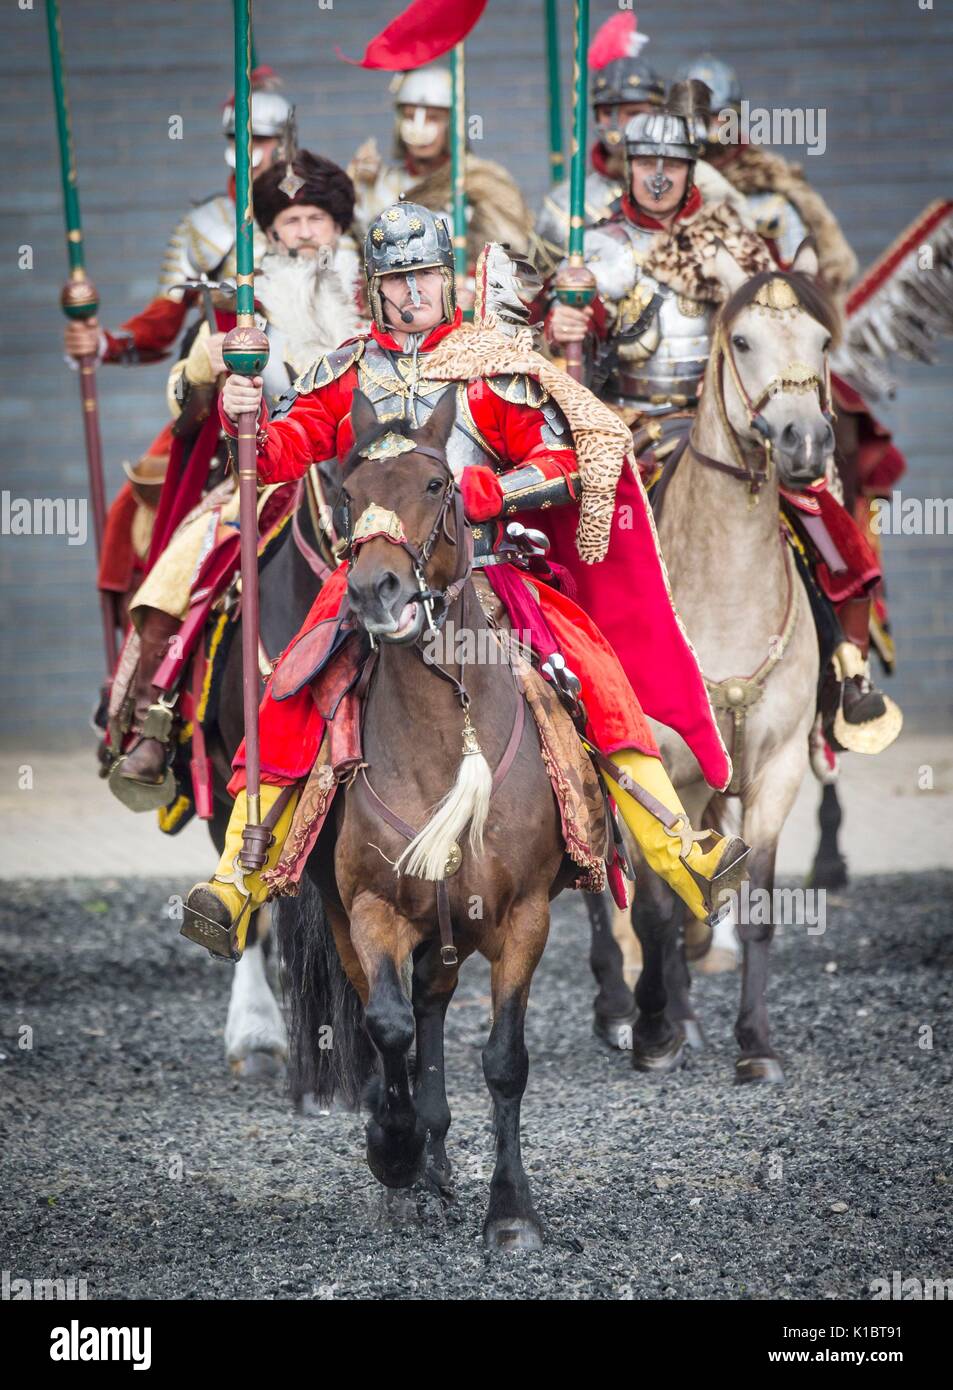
306	295
420	169
648	338
512	448
786	210
622	84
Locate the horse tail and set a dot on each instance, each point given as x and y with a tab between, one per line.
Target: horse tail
329	1052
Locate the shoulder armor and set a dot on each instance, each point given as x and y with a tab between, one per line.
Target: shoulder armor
329	367
200	242
518	389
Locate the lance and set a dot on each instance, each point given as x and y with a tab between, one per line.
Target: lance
458	165
245	351
575	284
557	164
79	300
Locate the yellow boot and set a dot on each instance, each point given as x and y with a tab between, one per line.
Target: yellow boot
669	845
217	913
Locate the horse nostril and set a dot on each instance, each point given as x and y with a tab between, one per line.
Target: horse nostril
388	586
790	436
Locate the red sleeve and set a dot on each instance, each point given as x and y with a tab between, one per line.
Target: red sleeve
515	433
147	337
309	433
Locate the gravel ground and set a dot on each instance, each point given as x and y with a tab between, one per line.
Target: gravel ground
131	1157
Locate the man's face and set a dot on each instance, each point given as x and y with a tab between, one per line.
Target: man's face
423	130
644	188
397	295
303	229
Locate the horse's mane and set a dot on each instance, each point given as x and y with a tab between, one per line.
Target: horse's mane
811	296
371	436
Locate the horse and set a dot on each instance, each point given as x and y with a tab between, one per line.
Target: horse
763	420
407	906
256	1038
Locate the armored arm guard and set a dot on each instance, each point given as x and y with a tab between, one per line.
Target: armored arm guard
530	488
199	244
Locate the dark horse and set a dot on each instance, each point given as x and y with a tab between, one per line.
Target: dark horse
255	1035
399	945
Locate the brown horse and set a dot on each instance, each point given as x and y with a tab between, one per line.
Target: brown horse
393	905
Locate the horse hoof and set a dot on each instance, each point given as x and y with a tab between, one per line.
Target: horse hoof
765	1071
829	873
396	1160
661	1059
694	1037
513	1233
255	1066
614	1032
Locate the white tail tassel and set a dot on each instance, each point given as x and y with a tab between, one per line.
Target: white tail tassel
468	800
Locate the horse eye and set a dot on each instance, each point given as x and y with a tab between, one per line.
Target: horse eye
434	486
827	345
740	343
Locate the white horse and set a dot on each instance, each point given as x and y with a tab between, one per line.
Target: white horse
763	418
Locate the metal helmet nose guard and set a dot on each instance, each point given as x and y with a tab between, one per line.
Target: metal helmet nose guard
405	238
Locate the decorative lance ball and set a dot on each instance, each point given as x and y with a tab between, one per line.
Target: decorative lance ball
79	299
245	350
575	285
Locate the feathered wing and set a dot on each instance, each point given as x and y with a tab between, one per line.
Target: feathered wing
902	304
507	286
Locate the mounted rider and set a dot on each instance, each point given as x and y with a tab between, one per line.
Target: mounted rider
622	84
306	292
420	169
648	337
786	210
200	248
525	437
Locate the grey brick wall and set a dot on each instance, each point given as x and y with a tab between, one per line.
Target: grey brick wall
881	70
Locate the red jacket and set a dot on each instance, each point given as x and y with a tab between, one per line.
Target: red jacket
626	596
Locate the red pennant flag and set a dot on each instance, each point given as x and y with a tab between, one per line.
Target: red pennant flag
424	31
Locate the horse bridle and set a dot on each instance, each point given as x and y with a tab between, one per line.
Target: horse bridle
376	521
795	377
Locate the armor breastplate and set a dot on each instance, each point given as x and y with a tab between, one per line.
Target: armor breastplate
393	384
663	362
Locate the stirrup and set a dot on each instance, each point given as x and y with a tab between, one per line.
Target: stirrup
219	940
873	736
141	796
727	880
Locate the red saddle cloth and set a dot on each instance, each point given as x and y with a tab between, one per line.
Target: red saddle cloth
291	729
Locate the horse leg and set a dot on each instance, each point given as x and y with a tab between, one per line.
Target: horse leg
758	1060
830	866
614	1006
382	941
658	1041
433	988
678	981
511	1222
256	1040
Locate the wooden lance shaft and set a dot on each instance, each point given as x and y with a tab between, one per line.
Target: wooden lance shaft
245	351
575	284
79	300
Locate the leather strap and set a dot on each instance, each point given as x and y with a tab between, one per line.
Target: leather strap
316	564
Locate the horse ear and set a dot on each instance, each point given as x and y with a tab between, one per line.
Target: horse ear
726	269
441	419
805	259
363	415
